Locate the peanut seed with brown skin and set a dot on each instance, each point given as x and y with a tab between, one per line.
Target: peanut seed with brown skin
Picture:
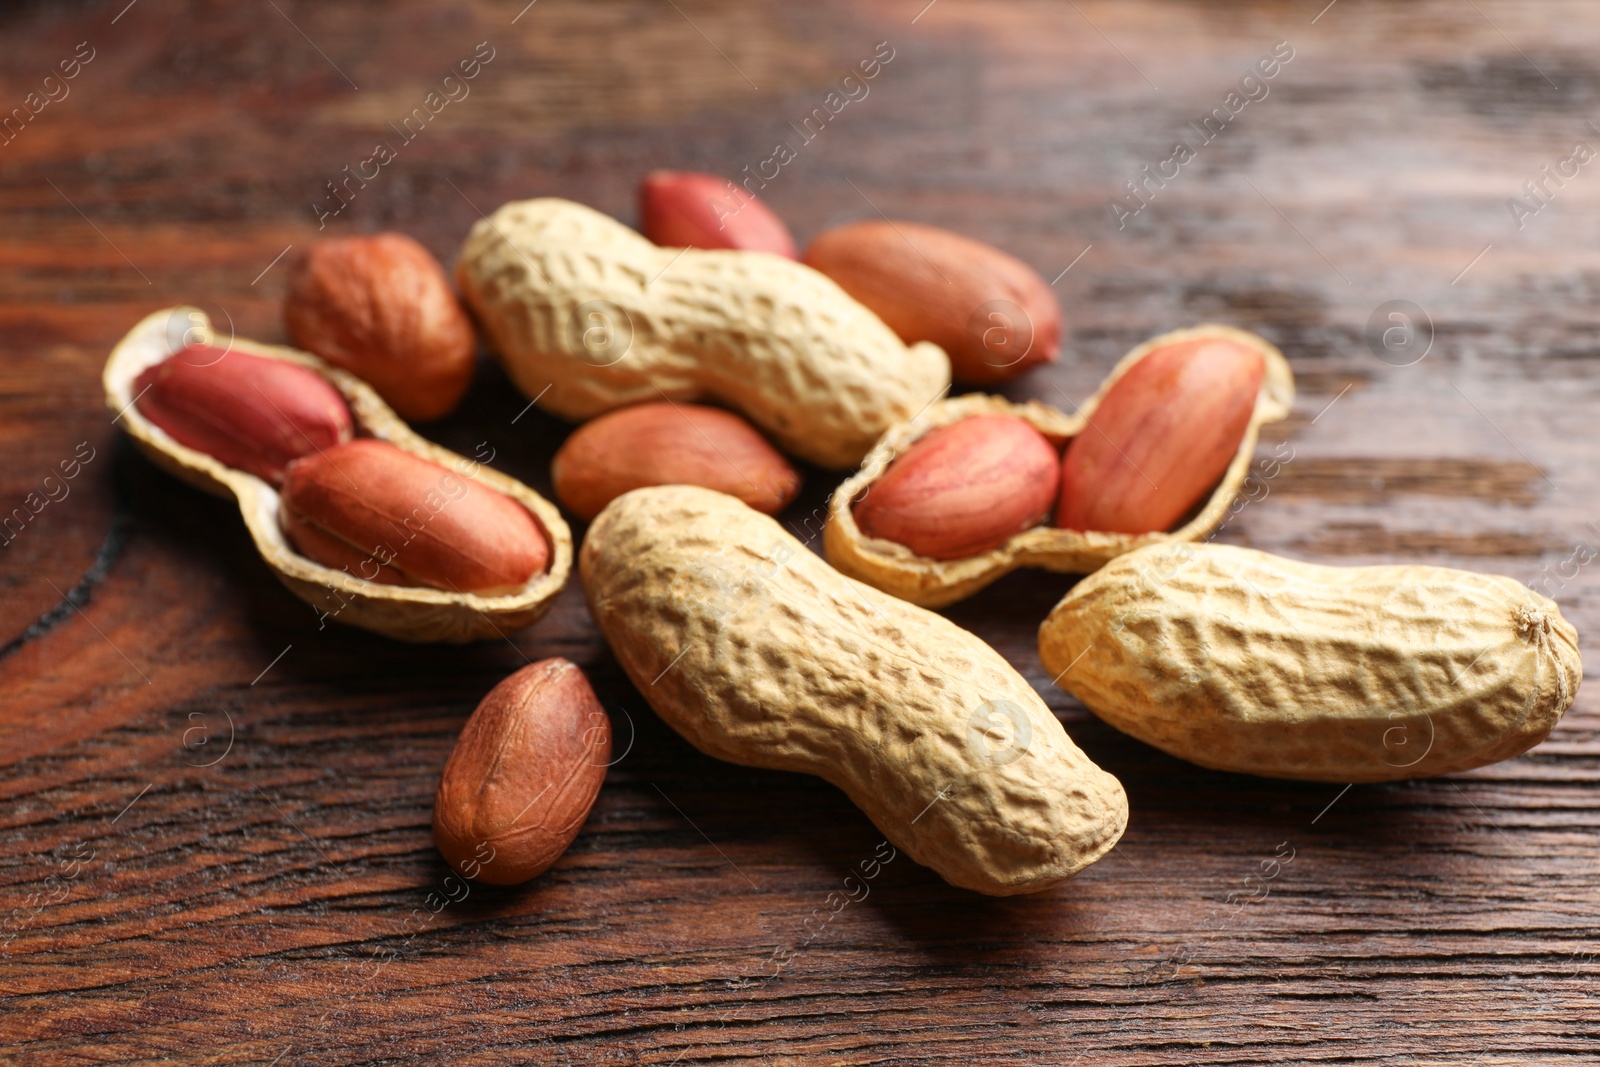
670	444
963	489
389	516
523	775
993	314
1161	438
685	209
247	412
381	307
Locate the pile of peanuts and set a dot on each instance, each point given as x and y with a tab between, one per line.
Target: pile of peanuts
698	357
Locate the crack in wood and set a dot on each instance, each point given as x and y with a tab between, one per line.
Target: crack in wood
111	548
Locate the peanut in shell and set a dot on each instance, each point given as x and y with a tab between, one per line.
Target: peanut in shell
588	315
935	583
759	653
1243	661
407	613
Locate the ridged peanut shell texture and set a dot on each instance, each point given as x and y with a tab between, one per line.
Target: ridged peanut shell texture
670	444
930	582
989	310
523	775
588	315
759	653
405	612
1243	661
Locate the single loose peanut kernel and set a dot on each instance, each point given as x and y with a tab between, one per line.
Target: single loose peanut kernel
381	307
992	313
670	444
684	209
523	775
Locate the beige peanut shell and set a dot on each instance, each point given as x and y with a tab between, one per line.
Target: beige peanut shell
1243	661
408	613
588	315
759	653
933	583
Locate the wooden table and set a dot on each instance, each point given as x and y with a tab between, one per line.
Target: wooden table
214	838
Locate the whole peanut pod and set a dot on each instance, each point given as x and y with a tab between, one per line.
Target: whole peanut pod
1242	661
523	775
588	316
389	516
251	413
1161	438
758	652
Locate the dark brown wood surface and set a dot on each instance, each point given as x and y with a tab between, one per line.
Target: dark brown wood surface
214	817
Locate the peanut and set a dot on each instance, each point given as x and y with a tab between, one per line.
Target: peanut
523	775
1161	438
670	444
964	488
381	308
405	612
402	520
991	312
255	414
682	209
932	582
759	653
588	316
1242	661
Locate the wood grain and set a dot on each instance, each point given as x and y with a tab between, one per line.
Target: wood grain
214	831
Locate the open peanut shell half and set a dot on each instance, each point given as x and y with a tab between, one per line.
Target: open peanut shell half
407	613
932	583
